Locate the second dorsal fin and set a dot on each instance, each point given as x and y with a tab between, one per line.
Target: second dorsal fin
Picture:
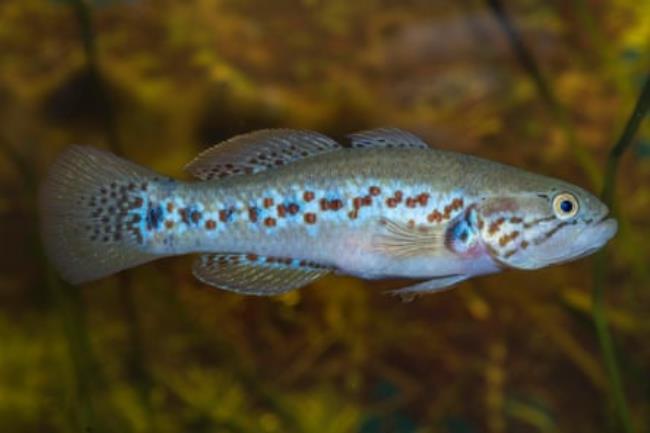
386	138
258	151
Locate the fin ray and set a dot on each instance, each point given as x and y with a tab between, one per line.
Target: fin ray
403	240
434	285
386	138
85	203
249	274
258	151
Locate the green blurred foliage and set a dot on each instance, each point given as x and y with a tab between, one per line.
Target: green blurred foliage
155	351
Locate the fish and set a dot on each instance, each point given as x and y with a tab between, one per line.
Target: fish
273	210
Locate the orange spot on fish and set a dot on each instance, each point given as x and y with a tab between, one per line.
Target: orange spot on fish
335	204
310	218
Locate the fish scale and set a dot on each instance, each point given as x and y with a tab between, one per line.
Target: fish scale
276	209
252	219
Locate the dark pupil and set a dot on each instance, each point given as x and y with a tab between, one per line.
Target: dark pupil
566	206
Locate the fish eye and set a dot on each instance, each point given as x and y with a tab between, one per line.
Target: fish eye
565	205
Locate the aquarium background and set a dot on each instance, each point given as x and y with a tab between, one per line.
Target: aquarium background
543	85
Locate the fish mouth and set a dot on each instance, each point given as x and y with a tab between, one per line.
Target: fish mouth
607	227
603	230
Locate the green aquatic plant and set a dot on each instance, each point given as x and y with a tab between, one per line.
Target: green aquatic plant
624	142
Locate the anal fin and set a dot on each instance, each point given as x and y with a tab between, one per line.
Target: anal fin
250	274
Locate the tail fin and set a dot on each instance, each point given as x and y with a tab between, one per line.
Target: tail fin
92	205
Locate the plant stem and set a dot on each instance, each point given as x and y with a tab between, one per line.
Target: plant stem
600	262
529	64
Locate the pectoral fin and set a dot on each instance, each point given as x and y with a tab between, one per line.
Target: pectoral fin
250	274
404	240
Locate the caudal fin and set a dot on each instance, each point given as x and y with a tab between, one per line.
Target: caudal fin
92	207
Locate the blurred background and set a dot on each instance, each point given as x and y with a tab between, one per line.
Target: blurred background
544	85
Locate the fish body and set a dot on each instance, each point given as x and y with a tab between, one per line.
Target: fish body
276	209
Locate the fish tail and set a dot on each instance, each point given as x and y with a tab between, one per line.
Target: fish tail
92	205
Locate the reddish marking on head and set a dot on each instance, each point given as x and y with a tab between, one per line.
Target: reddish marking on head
308	196
367	201
169	224
356	203
268	202
282	211
138	202
391	202
374	190
170	207
210	224
310	218
494	227
499	205
423	199
196	216
252	257
223	215
252	214
507	238
411	202
269	222
293	208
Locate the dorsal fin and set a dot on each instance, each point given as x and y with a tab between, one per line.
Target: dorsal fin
249	274
258	151
386	138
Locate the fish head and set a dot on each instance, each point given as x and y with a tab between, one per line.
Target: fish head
541	226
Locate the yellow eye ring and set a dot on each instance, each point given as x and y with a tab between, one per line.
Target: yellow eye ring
565	205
